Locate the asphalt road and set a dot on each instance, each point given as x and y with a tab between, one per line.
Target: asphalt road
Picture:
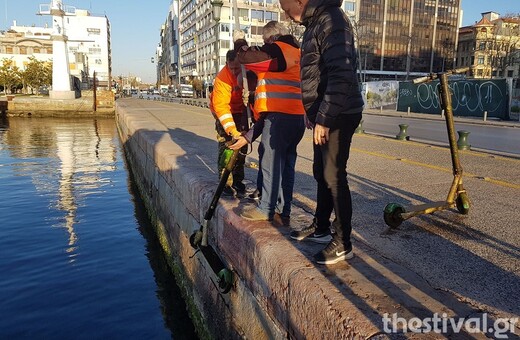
502	139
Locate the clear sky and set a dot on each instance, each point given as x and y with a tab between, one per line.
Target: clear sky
473	8
136	25
135	28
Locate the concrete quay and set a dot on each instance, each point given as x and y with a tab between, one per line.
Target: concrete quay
456	266
43	106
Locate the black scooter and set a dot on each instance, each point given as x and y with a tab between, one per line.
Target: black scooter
199	239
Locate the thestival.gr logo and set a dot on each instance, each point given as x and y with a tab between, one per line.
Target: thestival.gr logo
500	328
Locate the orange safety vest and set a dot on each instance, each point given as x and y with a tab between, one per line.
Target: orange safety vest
280	91
226	100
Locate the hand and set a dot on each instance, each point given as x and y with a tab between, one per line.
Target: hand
240	142
321	134
308	124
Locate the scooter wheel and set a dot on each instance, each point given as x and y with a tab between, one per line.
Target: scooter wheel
225	280
392	215
196	239
462	203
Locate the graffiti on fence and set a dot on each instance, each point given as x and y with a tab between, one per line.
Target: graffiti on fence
469	97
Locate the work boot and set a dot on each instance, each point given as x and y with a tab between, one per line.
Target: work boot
228	191
240	189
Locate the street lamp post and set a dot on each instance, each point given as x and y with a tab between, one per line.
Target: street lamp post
217	7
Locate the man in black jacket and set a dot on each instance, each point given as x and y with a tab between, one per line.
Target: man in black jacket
333	105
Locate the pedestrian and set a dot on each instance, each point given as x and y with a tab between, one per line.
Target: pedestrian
227	107
279	111
333	105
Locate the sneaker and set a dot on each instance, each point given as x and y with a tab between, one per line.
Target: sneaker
255	195
311	234
254	214
334	252
228	191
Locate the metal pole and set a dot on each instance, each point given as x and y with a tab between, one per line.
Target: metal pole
448	110
217	52
95	88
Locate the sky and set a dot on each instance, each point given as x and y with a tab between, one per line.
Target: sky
136	25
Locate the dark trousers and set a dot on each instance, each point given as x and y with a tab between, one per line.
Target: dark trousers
237	176
330	171
280	137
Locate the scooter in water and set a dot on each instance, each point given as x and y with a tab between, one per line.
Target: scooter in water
199	239
394	213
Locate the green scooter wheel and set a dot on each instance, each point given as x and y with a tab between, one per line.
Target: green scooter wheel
462	203
225	280
196	239
392	214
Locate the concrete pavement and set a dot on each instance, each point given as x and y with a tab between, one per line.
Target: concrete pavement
461	265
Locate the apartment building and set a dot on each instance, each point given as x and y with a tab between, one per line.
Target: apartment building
491	47
20	42
194	45
395	38
399	38
88	44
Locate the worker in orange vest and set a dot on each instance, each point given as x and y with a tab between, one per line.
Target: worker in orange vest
279	112
227	107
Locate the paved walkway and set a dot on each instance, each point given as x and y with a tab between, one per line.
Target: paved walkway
461	265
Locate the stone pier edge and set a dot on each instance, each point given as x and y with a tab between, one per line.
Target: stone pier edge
277	293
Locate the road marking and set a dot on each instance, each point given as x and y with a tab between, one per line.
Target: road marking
425	144
439	168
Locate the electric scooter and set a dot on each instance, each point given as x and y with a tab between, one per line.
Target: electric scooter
199	239
394	213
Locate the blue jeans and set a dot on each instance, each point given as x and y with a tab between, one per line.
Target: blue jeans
330	171
280	137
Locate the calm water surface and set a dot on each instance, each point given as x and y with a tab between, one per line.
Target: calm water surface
78	257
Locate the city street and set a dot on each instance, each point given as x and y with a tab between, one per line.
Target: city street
485	137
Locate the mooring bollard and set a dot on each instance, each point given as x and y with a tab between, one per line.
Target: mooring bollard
359	129
403	135
462	143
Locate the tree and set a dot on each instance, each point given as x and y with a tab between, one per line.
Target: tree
9	75
197	85
37	73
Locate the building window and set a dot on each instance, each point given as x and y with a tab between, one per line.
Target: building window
93	31
480	60
510	73
482	46
23	50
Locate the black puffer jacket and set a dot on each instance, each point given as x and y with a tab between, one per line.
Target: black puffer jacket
328	64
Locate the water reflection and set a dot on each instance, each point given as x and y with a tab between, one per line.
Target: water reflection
72	259
76	153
